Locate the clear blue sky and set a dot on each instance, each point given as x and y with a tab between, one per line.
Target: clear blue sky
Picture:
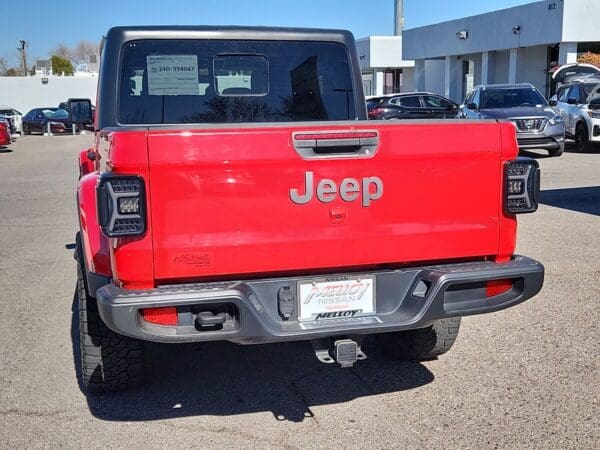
45	23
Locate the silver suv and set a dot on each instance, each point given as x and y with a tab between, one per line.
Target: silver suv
538	125
579	103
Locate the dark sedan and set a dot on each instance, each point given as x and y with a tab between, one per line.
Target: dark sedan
37	120
414	105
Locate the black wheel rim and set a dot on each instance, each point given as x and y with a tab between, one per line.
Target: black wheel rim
580	137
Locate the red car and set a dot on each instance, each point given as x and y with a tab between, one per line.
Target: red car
237	191
4	133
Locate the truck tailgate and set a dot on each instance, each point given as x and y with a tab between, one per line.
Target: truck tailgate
221	201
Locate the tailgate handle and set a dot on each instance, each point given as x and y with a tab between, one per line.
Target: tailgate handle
336	143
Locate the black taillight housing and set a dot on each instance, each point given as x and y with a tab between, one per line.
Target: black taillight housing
121	202
521	186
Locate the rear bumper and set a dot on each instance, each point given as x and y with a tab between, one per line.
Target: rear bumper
453	290
60	129
541	142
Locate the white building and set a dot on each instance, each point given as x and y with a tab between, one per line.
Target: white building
512	45
382	67
43	68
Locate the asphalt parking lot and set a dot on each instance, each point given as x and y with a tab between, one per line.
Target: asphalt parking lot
525	377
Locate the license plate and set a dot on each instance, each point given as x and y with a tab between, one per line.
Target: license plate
336	299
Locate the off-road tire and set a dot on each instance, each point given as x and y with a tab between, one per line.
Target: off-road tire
26	130
109	361
582	138
423	343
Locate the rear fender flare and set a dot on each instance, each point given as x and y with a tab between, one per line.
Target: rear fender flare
86	165
94	244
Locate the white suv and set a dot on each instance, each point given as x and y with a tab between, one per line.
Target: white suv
579	104
14	116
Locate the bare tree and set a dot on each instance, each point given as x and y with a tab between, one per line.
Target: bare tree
10	66
3	66
62	50
83	49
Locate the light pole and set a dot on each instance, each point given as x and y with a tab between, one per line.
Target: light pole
398	17
21	48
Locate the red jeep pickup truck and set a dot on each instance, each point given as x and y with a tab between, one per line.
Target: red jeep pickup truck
236	191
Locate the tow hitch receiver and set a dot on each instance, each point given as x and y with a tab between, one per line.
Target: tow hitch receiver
345	351
208	319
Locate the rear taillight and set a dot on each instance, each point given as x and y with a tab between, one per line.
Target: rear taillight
375	111
521	186
121	204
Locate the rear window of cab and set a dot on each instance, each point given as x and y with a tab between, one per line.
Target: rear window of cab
212	81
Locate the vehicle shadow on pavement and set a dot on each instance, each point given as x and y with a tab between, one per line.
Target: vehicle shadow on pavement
534	154
580	199
5	150
224	379
570	147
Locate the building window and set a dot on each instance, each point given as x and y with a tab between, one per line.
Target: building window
392	81
367	80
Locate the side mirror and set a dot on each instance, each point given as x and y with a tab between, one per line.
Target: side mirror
572	101
472	106
553	103
80	111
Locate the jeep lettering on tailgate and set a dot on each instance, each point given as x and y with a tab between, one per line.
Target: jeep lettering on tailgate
350	189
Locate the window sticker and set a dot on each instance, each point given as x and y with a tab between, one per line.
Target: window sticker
172	74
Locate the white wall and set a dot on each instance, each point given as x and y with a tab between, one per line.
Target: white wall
581	20
531	66
434	75
26	93
501	68
476	74
363	49
408	79
386	51
368	81
381	52
540	24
